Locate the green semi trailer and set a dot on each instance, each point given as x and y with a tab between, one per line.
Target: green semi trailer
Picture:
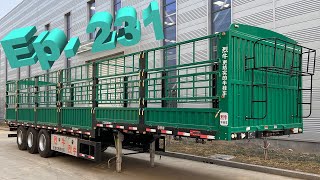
245	83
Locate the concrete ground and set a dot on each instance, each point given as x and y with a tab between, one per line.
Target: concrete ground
16	164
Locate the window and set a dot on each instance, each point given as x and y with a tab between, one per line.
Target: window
170	55
68	25
169	25
92	11
169	22
116	7
221	15
47	27
68	29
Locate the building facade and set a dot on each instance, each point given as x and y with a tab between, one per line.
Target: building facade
182	20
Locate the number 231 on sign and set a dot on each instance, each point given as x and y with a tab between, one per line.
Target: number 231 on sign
22	48
130	34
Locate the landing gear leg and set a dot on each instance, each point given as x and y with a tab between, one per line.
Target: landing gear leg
118	144
152	153
265	147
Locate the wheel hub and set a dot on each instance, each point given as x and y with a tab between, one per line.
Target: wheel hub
20	137
42	142
30	139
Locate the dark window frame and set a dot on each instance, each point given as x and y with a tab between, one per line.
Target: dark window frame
68	24
47	27
91	13
167	57
224	8
166	16
115	10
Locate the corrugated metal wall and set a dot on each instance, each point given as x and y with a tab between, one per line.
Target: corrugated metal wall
298	19
3	78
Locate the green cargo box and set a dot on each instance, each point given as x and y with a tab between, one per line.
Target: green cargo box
243	83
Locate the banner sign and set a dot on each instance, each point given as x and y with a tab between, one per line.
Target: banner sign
23	48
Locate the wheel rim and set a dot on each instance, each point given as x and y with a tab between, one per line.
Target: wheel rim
30	139
20	137
42	142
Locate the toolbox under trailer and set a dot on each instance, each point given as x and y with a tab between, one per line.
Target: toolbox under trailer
245	83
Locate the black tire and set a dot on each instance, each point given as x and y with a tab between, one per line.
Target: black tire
22	138
32	141
44	144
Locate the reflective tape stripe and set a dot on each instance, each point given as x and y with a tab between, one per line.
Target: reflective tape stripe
90	157
120	127
183	134
86	156
82	155
169	132
100	125
166	132
133	128
150	130
109	126
207	137
87	133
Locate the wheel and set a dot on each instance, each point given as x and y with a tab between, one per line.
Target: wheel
32	140
22	138
44	144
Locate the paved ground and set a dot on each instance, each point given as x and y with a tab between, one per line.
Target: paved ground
16	164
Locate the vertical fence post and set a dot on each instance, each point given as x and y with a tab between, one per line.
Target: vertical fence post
71	95
142	87
125	91
7	100
152	151
36	96
17	100
47	94
163	89
94	97
215	101
59	96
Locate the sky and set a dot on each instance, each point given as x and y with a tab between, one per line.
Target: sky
7	5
